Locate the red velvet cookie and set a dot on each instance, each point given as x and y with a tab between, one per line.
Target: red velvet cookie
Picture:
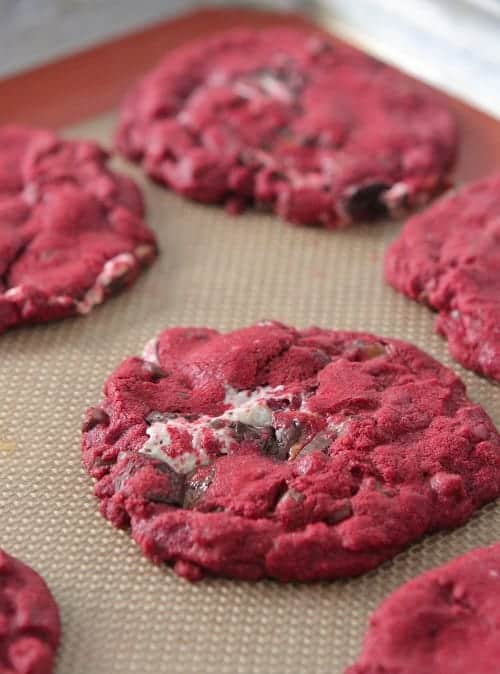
446	621
71	230
316	131
449	258
295	454
29	620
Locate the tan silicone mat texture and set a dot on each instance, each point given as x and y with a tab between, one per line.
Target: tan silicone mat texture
120	613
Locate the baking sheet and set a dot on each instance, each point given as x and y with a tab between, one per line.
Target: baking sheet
120	613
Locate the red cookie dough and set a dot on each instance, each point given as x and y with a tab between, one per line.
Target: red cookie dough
291	121
29	620
449	258
295	454
446	621
71	230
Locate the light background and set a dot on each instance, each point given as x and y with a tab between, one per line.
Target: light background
450	43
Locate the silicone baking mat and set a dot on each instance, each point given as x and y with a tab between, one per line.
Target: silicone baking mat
120	613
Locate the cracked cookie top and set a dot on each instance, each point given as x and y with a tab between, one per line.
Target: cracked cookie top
291	121
71	229
296	454
29	620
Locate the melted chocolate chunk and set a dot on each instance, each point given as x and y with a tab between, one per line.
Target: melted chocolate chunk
171	490
154	370
118	283
176	487
284	439
364	203
197	486
247	432
164	417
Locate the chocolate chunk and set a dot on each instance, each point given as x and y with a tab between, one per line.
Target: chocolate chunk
285	439
319	442
243	431
171	490
93	417
118	283
165	417
364	202
290	434
176	487
197	486
264	437
160	417
155	370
